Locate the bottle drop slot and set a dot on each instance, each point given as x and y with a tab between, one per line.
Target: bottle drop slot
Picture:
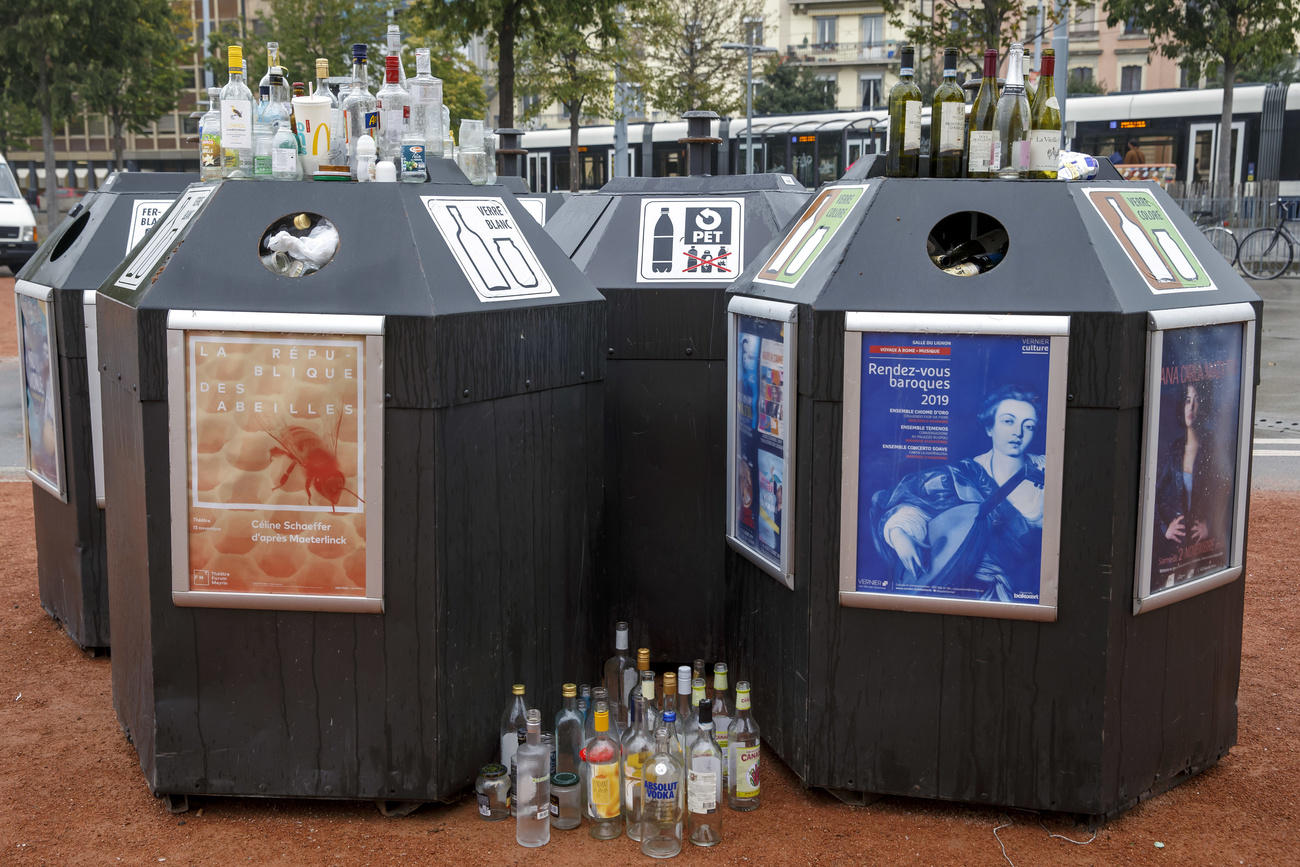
967	243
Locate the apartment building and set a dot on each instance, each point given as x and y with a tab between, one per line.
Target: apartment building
1120	58
848	42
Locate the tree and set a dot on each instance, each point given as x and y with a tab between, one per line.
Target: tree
1232	32
504	22
1285	70
683	45
462	85
788	88
18	122
572	63
134	78
972	27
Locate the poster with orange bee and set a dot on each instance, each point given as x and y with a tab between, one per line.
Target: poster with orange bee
276	490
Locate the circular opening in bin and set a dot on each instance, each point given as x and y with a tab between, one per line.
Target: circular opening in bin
70	236
298	244
967	243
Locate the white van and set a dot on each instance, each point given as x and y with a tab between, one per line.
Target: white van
17	225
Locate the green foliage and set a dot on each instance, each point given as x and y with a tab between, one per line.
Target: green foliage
1285	70
972	27
462	85
18	120
788	88
1077	86
682	44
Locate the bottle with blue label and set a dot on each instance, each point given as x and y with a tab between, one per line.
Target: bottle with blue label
664	798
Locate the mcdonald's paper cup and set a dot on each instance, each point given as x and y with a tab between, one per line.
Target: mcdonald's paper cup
312	115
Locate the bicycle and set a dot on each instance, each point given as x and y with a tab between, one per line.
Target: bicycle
1267	253
1220	236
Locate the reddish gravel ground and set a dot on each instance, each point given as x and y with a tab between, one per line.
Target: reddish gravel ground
71	791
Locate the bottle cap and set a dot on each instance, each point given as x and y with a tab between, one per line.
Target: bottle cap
385	172
518	688
643	658
950	59
564	779
569	690
908	57
235	58
670	682
493	770
683	680
669	716
322	67
359	51
706	713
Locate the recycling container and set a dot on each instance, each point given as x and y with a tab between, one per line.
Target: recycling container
664	251
352	443
64	445
1018	498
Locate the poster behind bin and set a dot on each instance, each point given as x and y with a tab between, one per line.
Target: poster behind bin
41	415
275	451
952	466
1197	453
762	436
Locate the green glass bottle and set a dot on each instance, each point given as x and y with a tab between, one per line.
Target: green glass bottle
904	157
1045	132
979	128
948	122
1011	122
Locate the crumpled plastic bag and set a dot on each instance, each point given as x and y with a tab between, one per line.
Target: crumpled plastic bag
313	250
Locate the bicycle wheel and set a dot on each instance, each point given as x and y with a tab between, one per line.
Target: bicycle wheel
1224	241
1265	254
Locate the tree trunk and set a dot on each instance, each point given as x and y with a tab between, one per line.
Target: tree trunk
119	142
506	65
46	100
575	165
1223	185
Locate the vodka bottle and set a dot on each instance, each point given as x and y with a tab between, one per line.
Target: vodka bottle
210	138
668	723
272	61
533	787
638	747
685	718
513	721
391	102
663	800
264	120
426	105
668	698
338	147
642	665
721	712
704	790
395	49
620	673
600	777
568	731
236	119
1011	122
360	114
743	746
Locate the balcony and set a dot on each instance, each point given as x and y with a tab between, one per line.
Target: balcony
843	52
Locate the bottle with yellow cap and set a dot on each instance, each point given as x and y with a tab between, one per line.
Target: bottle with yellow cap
236	119
514	724
601	779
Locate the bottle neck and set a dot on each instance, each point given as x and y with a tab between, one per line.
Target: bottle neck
358	73
571	703
1015	73
720	682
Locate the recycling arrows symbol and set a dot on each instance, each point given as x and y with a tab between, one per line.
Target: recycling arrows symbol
708	219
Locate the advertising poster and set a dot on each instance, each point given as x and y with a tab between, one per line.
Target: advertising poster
818	224
42	429
489	247
275	446
1153	244
691	240
762	436
953	468
1196	458
144	213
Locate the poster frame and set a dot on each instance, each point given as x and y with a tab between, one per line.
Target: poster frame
1159	322
1057	330
56	487
179	323
789	315
95	389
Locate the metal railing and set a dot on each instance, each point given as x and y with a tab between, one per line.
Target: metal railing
1248	207
843	52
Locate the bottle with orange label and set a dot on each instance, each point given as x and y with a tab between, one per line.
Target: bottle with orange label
743	754
601	779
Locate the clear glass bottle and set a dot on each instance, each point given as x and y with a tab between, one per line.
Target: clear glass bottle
1045	132
391	102
721	713
1011	121
685	716
426	104
360	114
743	748
272	61
284	144
704	790
637	748
648	695
697	698
490	155
697	670
338	148
236	119
948	122
620	673
394	39
566	801
264	121
676	743
513	721
642	665
598	694
668	698
663	800
493	791
584	707
448	146
980	129
600	776
568	731
533	798
210	138
903	159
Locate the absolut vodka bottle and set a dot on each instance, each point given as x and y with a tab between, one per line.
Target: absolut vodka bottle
663	800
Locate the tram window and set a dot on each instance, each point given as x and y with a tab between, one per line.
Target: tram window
595	170
670	161
801	153
829	158
560	167
776	156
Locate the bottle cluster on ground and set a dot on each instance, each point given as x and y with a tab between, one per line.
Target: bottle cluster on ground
653	758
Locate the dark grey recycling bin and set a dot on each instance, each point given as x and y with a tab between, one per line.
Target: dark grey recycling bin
664	251
350	507
56	290
1017	499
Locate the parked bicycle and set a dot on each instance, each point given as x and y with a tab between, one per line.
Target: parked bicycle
1219	234
1267	253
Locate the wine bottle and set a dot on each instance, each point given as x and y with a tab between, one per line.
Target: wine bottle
1011	121
1045	131
979	136
904	157
947	122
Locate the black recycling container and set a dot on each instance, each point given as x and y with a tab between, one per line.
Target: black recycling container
353	454
1017	498
56	293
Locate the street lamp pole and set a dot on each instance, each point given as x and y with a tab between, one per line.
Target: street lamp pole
749	96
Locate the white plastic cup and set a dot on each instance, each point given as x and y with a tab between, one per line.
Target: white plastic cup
312	116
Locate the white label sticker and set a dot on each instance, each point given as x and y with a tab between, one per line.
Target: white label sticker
144	213
980	157
161	240
702	788
1044	149
284	159
236	124
691	240
489	247
995	161
912	125
952	126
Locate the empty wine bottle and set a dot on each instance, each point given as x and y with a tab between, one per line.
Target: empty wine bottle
948	122
904	156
